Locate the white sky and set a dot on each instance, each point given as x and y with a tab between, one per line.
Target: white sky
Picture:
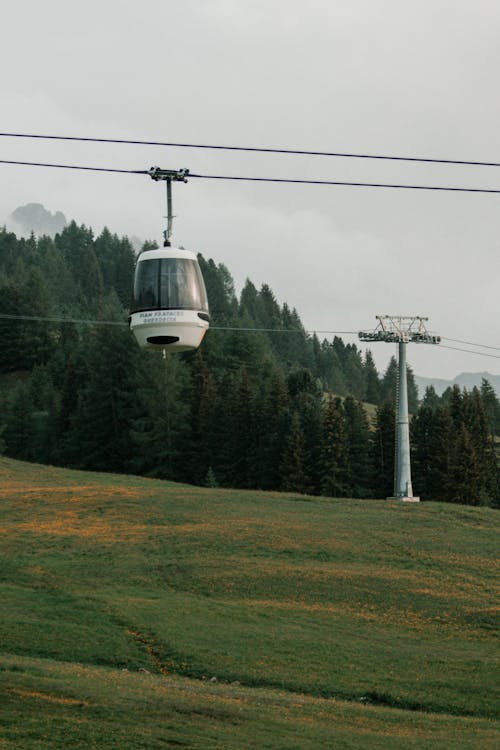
387	77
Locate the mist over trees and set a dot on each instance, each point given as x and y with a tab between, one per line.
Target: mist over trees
275	410
33	217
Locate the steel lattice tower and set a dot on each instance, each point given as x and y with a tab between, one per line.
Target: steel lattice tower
401	330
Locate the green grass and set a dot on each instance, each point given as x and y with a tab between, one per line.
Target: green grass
343	623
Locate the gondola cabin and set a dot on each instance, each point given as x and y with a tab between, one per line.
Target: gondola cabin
169	307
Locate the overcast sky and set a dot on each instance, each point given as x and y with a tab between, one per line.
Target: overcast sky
386	77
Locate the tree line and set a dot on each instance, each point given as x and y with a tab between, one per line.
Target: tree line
275	410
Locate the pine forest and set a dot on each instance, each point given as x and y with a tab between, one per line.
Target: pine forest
274	409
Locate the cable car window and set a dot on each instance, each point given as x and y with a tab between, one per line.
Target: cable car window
146	285
169	284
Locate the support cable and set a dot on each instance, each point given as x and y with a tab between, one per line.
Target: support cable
72	166
282	180
471	343
255	149
470	351
54	319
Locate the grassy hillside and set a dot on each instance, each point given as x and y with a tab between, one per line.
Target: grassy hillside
145	614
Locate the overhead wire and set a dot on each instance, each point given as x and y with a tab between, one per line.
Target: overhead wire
470	351
85	321
54	319
282	330
255	149
345	183
72	166
282	180
471	343
254	179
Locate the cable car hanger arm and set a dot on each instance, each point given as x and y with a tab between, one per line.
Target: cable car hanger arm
169	175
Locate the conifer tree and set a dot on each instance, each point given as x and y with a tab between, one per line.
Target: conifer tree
353	371
330	368
272	429
372	391
249	303
19	426
160	431
431	399
491	406
464	477
204	394
235	431
220	291
100	427
309	405
439	458
389	381
383	451
293	473
359	453
334	450
424	447
77	247
476	421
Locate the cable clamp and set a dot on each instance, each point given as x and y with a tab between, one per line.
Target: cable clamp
175	175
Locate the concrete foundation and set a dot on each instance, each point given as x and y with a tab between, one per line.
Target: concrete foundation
405	499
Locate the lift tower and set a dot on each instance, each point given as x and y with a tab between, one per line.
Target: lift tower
401	330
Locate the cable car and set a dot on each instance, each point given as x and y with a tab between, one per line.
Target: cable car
169	306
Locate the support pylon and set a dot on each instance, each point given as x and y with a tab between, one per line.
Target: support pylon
402	466
401	330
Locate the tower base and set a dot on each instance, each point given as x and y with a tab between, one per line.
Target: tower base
405	499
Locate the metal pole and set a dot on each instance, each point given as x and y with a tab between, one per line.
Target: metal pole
401	329
168	232
402	477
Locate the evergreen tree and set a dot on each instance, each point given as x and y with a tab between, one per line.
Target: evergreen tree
249	303
116	261
11	331
330	368
77	247
160	431
372	392
19	428
476	422
439	458
412	391
359	453
272	425
390	381
353	371
293	474
431	399
235	431
429	449
309	406
491	406
464	477
100	427
383	451
201	446
37	339
334	450
220	291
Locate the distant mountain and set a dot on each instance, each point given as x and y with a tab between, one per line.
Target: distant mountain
464	380
33	217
